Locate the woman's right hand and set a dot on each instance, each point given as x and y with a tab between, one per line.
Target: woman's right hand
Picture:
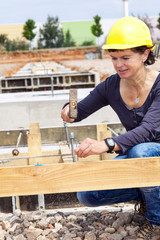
65	115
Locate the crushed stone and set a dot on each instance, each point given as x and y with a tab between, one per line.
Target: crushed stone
90	225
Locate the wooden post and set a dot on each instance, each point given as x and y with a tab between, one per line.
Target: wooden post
64	149
34	143
35	149
102	133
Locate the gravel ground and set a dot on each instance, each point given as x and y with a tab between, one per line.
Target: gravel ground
94	225
5	68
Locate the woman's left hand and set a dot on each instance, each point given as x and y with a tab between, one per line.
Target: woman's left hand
90	147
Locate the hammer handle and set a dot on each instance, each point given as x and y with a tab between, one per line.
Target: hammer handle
73	103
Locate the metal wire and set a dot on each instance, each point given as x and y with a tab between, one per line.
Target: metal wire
116	134
4	160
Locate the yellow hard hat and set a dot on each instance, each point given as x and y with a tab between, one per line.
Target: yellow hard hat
128	32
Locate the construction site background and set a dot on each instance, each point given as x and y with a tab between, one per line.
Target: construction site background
15	60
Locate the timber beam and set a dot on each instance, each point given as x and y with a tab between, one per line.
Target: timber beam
79	176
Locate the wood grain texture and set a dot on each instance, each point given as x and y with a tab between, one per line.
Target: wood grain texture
80	176
64	149
34	143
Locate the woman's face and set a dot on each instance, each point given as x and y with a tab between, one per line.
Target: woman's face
128	63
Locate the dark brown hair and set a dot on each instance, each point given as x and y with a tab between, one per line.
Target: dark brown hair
151	58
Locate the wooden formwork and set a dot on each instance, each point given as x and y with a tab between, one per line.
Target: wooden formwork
58	174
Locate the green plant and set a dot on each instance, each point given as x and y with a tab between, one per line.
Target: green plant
3	39
51	34
96	28
68	41
88	43
14	45
28	30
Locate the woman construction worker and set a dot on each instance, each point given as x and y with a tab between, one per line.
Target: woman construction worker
134	94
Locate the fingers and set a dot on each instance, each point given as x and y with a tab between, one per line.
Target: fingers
86	148
90	147
65	115
83	151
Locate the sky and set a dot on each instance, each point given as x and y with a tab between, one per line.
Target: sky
19	11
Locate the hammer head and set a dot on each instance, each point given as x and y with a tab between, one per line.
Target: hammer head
73	103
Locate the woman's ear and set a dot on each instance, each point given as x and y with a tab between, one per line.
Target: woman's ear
146	54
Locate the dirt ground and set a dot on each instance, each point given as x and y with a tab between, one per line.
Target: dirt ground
10	63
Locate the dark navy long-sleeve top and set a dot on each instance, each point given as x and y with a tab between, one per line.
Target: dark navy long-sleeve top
142	124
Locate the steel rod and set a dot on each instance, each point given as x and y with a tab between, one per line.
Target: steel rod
15	151
19	139
112	131
3	160
66	132
72	146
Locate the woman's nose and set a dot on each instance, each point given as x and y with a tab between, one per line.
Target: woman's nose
119	63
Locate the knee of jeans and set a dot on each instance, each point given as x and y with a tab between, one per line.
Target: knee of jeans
138	151
85	199
82	197
148	189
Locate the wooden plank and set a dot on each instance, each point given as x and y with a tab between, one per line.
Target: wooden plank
34	143
34	148
101	130
102	133
80	176
34	128
64	149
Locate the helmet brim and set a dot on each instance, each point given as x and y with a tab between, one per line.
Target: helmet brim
123	47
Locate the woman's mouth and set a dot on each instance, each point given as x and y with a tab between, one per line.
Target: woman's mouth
123	71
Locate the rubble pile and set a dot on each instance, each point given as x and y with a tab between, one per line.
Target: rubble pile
42	225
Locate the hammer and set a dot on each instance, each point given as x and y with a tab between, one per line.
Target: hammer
73	103
73	115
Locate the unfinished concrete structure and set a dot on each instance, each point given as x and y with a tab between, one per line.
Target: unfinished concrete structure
43	76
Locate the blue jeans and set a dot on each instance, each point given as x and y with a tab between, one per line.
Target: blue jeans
151	195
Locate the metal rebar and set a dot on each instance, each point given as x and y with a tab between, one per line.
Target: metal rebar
41	202
4	160
72	146
15	203
116	134
66	132
19	139
15	151
52	86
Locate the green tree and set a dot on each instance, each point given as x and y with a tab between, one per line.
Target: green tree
88	43
68	41
96	28
16	44
28	30
51	34
3	39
